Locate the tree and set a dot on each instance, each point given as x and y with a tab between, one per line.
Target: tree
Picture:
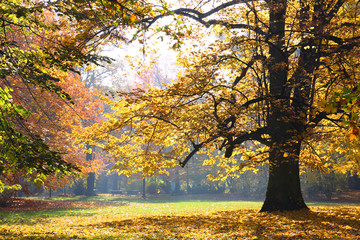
35	53
21	150
316	182
54	119
91	78
280	76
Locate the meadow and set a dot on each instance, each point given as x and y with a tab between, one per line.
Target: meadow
111	217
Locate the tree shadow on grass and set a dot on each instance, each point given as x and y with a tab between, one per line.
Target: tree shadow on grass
340	223
320	223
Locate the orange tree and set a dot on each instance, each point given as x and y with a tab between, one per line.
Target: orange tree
273	86
35	52
54	120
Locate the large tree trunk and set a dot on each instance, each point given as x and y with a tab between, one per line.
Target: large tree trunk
283	191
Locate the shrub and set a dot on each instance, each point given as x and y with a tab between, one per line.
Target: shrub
79	188
152	188
7	193
165	187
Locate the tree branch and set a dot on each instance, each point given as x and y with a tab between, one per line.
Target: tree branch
252	135
199	17
245	69
197	147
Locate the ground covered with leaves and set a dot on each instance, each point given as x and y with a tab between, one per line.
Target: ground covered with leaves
175	220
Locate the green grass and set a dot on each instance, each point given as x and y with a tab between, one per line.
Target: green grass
132	207
108	205
114	217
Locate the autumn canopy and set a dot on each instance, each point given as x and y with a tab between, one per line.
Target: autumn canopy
271	82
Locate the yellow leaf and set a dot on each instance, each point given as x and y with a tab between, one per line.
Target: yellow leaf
133	18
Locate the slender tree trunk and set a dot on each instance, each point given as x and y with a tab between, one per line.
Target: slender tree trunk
115	178
177	182
144	189
187	180
90	181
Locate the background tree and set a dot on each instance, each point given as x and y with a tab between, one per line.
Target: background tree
35	54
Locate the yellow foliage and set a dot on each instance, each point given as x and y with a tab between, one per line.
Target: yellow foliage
227	99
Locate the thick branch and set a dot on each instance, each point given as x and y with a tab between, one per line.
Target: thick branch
199	17
324	116
188	157
252	135
197	147
214	10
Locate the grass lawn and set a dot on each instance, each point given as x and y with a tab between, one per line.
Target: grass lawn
106	217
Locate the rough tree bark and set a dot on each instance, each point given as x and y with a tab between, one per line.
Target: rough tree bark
283	191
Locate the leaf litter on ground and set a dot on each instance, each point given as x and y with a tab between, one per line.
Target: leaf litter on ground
108	222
